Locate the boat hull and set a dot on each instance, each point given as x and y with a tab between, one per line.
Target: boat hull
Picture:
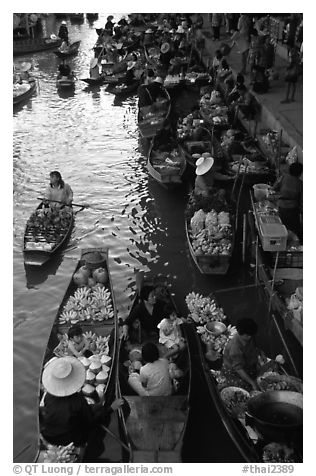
155	429
105	328
23	97
39	258
24	47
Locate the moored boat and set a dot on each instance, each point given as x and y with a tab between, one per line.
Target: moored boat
97	316
153	118
124	89
33	45
156	425
45	233
23	91
210	232
166	166
231	407
70	51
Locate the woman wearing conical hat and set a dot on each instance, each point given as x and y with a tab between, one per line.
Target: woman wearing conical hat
206	174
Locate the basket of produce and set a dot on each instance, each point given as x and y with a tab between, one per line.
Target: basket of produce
274	381
279	453
235	400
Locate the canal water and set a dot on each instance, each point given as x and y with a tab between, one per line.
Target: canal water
94	142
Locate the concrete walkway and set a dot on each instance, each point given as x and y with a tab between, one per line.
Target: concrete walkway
274	115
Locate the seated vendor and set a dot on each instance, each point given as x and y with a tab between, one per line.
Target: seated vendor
206	174
153	377
148	312
240	358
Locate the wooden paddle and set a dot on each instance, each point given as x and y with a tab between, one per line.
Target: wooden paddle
64	203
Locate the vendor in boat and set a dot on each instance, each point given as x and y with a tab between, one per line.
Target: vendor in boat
64	47
153	378
130	72
148	313
109	25
144	96
94	71
58	190
241	357
65	414
206	174
156	89
290	200
63	31
165	54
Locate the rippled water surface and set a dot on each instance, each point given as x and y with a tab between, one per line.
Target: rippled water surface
95	144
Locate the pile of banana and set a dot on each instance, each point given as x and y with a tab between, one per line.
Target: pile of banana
203	309
101	343
88	305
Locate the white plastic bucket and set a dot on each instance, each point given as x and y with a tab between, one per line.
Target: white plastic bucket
260	191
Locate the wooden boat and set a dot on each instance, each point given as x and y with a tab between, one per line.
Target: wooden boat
124	89
153	118
217	258
94	82
71	50
30	45
234	430
166	167
65	82
155	428
189	148
23	96
288	276
105	328
42	241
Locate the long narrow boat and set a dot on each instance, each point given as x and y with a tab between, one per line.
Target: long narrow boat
167	168
44	236
23	96
71	50
288	276
28	46
94	82
121	90
155	428
100	324
233	426
65	82
212	247
152	119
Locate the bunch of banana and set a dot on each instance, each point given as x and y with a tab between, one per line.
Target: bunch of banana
68	316
102	345
61	454
203	309
89	335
